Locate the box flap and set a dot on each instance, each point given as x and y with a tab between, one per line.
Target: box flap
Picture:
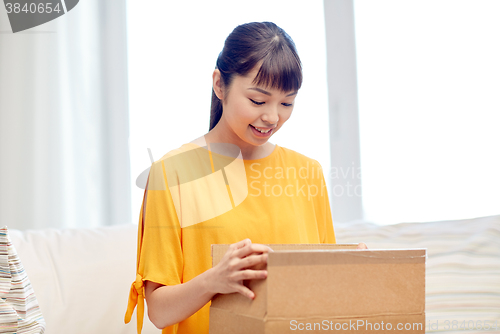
240	304
312	283
218	250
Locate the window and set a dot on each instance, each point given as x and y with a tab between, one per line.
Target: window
429	108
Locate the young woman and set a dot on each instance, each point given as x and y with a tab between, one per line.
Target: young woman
206	192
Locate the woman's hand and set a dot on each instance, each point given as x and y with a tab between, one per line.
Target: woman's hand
362	245
228	275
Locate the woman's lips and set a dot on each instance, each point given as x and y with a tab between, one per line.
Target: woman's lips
260	134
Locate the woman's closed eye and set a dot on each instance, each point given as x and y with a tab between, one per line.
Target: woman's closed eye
260	103
257	103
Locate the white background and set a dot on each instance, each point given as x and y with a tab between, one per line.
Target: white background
429	88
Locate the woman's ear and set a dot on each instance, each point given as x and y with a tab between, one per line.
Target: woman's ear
217	84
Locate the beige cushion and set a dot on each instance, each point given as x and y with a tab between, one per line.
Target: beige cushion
463	264
82	277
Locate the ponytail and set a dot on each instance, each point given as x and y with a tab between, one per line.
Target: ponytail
215	111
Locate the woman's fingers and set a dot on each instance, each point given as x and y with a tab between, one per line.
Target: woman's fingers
254	260
250	249
251	261
240	244
246	291
246	275
362	245
249	274
235	266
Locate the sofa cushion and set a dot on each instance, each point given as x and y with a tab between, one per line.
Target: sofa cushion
462	268
81	277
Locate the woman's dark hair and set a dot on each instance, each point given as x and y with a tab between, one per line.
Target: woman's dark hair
245	47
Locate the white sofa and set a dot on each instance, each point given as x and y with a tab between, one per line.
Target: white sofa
82	277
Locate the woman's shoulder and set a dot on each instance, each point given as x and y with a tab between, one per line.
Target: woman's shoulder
292	156
186	147
178	165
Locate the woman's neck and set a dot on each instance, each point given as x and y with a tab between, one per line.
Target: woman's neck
248	151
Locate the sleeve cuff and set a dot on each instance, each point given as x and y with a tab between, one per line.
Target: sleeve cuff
136	298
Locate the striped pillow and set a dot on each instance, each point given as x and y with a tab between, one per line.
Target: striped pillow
462	269
19	310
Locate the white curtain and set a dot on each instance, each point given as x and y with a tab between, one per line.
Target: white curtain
64	158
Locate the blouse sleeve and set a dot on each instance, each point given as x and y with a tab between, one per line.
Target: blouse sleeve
159	250
324	214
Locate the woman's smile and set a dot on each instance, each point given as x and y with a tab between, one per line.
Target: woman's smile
261	132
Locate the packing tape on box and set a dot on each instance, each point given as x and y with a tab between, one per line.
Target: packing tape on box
340	257
369	253
342	317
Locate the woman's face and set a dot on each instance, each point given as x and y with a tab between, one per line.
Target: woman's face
252	114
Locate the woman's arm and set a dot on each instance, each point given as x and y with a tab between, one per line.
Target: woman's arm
168	305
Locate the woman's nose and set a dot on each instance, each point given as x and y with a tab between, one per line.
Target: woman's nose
271	115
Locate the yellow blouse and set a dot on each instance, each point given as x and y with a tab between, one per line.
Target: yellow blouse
196	198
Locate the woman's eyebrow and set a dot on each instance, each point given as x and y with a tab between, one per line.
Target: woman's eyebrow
267	93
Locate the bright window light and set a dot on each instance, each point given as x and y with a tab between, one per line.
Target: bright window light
429	87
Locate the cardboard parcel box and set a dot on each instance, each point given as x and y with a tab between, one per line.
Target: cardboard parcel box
327	287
